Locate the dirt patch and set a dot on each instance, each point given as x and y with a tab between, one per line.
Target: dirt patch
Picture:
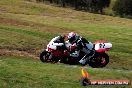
5	52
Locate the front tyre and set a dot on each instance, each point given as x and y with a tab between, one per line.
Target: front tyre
99	60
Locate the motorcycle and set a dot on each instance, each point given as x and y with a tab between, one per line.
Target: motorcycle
99	57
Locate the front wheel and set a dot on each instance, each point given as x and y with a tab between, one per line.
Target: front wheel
99	60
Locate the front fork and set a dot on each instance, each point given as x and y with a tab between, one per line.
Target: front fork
87	58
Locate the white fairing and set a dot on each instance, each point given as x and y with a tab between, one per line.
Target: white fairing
102	46
52	47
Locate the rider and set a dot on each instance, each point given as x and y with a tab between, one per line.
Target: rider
81	44
72	38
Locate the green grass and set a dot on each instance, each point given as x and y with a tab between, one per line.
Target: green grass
23	72
29	26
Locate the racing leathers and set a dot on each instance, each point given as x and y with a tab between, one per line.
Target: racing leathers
85	46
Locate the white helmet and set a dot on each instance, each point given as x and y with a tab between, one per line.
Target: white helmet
72	36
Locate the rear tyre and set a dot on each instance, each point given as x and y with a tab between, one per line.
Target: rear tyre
44	56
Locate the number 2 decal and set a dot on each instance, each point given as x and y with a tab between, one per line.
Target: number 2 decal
101	45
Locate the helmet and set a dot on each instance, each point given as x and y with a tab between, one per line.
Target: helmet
72	36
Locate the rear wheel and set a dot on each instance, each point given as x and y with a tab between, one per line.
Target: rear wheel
44	56
99	60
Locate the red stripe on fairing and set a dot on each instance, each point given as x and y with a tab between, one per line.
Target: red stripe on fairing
57	52
103	50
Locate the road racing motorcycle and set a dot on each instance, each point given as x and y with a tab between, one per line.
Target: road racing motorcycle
99	57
